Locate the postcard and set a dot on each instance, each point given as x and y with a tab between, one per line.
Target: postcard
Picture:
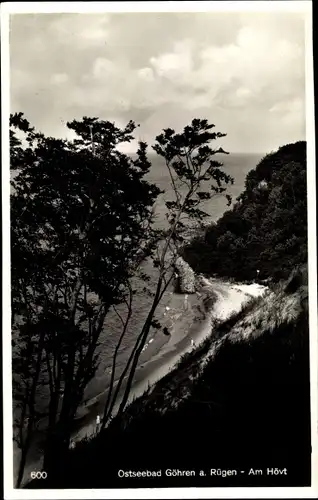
160	272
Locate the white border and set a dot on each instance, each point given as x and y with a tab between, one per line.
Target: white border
304	7
6	274
163	6
312	247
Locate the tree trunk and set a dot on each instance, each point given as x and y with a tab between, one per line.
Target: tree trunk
24	454
59	434
144	334
30	403
111	384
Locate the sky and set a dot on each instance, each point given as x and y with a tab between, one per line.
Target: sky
243	71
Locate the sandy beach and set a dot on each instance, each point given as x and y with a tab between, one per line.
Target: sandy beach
190	325
186	321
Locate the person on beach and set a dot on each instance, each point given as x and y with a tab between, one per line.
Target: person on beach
166	310
186	301
97	423
192	343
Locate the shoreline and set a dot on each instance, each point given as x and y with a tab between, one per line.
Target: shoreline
158	364
192	324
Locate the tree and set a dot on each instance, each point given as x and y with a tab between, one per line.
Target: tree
79	216
192	167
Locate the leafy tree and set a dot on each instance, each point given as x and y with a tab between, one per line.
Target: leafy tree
195	176
79	216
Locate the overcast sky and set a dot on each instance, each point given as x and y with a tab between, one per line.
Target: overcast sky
244	72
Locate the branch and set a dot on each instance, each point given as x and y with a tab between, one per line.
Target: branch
111	385
48	365
173	183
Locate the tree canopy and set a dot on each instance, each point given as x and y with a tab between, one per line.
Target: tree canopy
80	212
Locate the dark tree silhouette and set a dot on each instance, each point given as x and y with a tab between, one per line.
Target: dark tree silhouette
79	216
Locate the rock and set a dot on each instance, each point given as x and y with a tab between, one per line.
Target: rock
187	279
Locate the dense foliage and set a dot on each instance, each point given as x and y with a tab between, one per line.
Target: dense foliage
266	229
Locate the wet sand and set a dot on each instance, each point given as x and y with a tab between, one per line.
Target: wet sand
186	323
189	324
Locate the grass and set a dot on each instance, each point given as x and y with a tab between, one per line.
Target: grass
224	327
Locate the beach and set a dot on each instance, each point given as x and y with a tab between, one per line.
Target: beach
186	321
191	325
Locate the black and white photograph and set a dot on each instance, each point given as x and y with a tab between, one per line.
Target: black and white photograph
159	255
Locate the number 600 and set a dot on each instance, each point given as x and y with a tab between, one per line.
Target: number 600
38	475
